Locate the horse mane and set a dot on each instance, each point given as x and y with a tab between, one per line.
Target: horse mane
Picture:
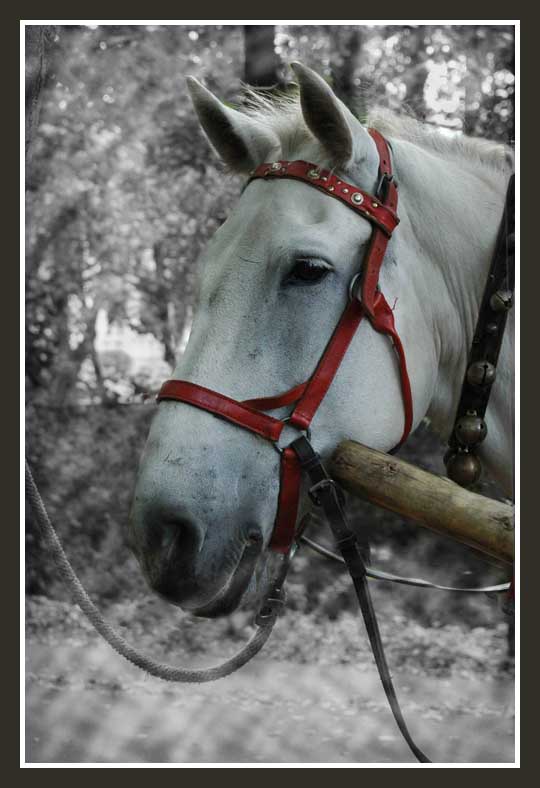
282	113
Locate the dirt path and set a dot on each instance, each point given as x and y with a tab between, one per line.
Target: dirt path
270	712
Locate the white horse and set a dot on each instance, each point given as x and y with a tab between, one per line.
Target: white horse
273	284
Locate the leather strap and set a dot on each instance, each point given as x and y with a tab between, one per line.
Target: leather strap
324	374
324	489
387	192
289	495
360	201
383	322
220	405
281	400
492	315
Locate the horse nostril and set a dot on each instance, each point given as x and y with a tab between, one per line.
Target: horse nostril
169	535
254	537
182	535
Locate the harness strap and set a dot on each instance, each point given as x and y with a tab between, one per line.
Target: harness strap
230	409
324	374
351	551
480	375
387	192
289	496
383	322
279	401
373	208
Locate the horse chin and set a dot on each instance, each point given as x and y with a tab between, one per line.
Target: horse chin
235	590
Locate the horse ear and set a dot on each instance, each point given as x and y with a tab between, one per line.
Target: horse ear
241	141
329	120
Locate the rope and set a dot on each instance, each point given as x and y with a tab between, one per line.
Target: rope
159	669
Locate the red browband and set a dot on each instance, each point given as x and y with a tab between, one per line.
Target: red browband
306	398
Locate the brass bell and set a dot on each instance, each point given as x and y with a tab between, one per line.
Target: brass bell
448	453
471	430
464	468
501	301
481	373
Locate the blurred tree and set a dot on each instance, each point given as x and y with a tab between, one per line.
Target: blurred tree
345	56
38	39
413	52
261	60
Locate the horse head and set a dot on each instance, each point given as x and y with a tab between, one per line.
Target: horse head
274	280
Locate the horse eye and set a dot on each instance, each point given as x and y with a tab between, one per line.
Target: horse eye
307	272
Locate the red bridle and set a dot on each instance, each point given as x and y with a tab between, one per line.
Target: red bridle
306	398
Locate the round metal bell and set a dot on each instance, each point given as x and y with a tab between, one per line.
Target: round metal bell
471	430
501	301
464	468
448	453
481	373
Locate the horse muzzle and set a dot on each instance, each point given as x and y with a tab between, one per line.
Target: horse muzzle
186	565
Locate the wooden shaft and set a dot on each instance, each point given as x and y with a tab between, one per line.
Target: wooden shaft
430	500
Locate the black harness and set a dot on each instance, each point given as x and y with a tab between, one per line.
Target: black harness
470	429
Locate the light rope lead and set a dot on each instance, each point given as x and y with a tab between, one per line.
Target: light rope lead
159	669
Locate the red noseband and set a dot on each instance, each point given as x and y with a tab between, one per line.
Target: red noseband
306	398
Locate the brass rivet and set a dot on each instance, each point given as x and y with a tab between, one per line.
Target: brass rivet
357	198
375	204
330	188
345	191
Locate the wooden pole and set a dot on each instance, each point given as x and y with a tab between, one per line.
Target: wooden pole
430	500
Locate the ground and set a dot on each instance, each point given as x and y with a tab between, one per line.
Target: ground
318	704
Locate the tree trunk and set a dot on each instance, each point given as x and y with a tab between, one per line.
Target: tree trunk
473	89
168	334
416	73
37	41
261	60
344	62
37	38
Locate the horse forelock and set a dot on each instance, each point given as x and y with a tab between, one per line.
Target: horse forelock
282	113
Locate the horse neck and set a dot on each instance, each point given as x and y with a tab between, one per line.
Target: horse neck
455	227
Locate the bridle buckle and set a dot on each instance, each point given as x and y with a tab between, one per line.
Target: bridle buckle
312	492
